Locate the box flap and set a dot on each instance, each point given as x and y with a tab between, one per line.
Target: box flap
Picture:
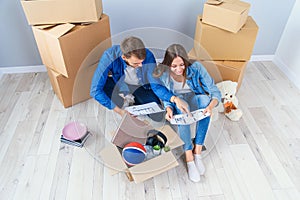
234	5
44	26
238	7
214	2
134	127
56	30
153	167
112	159
131	130
250	24
60	30
234	64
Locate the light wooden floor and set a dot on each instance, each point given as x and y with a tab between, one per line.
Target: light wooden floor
255	158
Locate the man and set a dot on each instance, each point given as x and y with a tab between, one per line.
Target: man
122	76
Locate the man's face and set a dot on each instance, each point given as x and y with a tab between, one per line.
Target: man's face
133	61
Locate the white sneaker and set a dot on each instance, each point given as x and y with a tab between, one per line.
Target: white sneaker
193	171
199	164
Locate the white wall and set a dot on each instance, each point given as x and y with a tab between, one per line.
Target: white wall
271	17
180	15
17	44
177	18
287	55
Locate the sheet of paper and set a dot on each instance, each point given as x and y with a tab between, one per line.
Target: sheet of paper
144	109
184	119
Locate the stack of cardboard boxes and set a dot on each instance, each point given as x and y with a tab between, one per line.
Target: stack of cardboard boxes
71	36
224	39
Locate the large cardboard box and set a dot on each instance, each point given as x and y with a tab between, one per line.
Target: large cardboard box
72	90
61	11
76	88
223	70
229	15
64	47
212	43
229	70
112	158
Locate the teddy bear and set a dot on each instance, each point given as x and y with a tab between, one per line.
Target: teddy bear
229	104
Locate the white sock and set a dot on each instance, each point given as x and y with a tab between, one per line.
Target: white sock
199	164
193	172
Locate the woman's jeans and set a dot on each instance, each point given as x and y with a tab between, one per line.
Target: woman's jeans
195	102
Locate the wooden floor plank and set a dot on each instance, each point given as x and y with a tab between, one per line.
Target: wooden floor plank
288	194
32	178
10	128
62	172
80	184
50	127
256	183
211	182
16	156
174	184
238	186
162	187
48	185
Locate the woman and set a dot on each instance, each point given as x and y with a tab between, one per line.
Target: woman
191	82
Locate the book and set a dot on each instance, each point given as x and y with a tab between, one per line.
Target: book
79	143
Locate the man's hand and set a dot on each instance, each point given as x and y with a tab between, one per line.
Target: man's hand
128	100
120	111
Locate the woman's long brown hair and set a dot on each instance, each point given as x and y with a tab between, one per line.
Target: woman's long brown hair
173	51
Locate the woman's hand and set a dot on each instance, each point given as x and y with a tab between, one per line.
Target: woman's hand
182	105
211	105
169	113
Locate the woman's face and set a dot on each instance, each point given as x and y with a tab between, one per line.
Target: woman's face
177	67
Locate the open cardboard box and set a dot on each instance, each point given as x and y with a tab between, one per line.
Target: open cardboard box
223	70
76	88
112	157
64	47
61	11
229	15
212	43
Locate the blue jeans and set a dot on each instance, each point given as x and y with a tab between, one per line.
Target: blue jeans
195	102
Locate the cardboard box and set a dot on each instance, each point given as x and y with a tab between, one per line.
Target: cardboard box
64	47
229	15
61	11
72	90
212	43
112	157
223	70
128	132
229	70
76	88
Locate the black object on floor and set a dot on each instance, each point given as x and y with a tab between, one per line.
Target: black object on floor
79	143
